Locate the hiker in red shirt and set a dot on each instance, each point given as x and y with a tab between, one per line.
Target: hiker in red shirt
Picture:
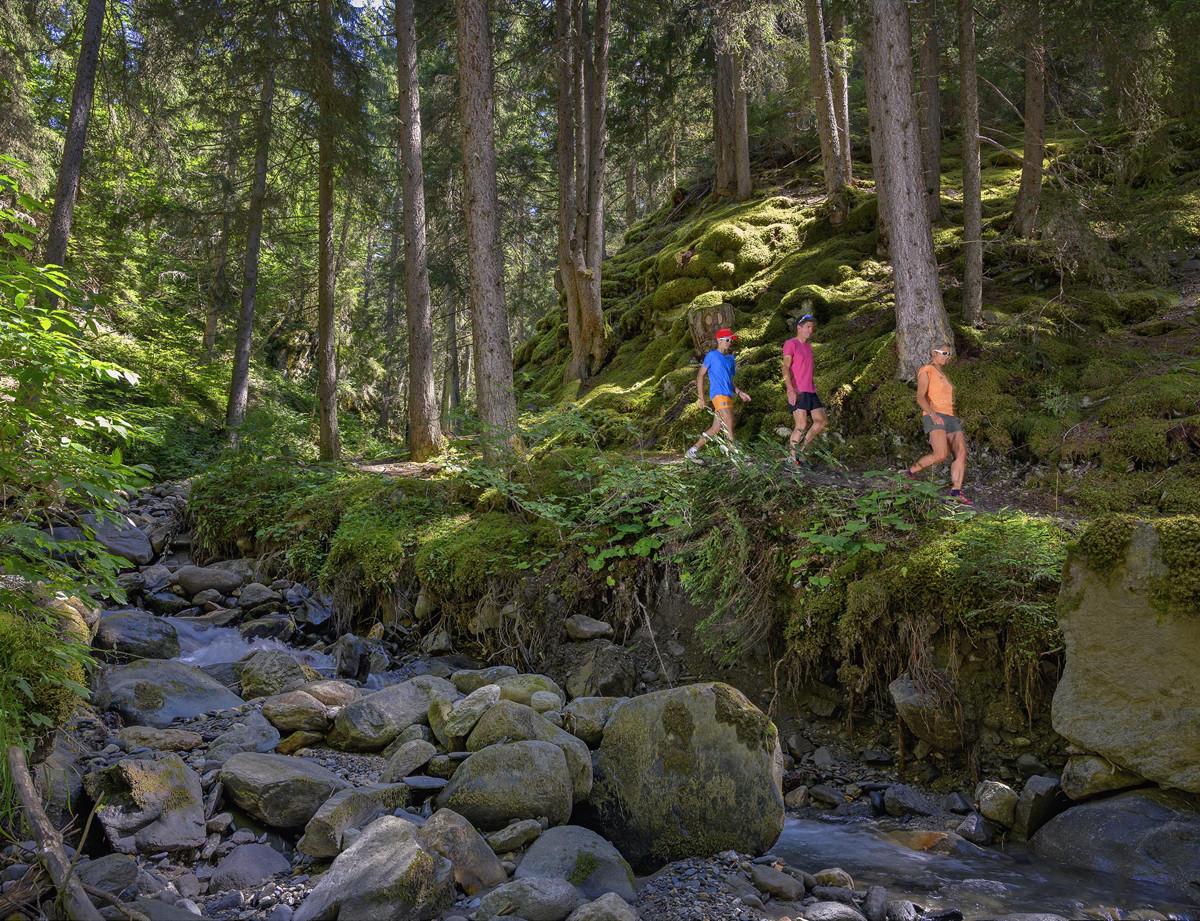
801	394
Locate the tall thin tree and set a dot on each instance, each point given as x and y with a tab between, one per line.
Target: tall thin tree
972	186
930	109
71	166
822	88
425	431
489	318
329	441
220	290
921	320
1029	194
239	385
742	179
841	90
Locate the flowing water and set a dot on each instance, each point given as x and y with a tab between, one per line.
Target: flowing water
204	644
982	883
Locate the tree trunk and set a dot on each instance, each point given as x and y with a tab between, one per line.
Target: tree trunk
743	183
330	444
239	384
723	129
391	346
878	164
218	297
972	201
489	319
841	93
630	192
423	419
452	386
77	121
818	68
921	321
1029	195
931	111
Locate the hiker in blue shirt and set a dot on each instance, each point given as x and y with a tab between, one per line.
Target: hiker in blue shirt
720	366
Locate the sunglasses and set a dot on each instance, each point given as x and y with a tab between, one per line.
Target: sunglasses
945	352
806	318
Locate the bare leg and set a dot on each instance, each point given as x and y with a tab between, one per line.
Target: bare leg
712	430
800	417
818	426
938	451
958	467
725	420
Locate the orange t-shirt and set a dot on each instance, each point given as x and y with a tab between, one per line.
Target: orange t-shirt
940	391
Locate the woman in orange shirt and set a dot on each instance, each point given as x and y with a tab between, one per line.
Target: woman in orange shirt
935	395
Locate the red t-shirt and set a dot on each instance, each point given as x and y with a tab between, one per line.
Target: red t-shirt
802	364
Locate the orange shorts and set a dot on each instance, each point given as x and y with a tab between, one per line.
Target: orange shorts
720	402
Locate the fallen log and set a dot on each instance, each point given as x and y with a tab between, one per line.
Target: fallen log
53	858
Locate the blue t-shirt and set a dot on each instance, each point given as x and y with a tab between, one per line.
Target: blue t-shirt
720	373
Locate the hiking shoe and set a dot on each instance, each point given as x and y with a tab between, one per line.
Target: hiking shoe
956	495
692	455
801	461
906	473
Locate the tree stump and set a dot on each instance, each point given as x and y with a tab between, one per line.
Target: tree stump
703	322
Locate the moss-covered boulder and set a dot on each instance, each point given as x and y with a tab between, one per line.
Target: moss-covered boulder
279	790
371	722
586	717
476	866
1131	689
582	858
295	711
503	783
386	873
269	672
353	807
150	805
156	692
134	634
521	688
511	722
689	772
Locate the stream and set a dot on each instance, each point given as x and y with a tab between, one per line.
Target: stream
981	883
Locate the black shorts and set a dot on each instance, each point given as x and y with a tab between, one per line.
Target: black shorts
806	402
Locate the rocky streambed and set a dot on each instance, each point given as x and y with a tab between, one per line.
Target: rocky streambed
249	761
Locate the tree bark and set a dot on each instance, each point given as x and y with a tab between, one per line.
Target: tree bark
239	384
391	346
818	69
451	383
71	165
218	299
743	183
1029	195
489	318
931	111
723	130
841	94
972	185
878	164
423	422
921	321
330	443
630	192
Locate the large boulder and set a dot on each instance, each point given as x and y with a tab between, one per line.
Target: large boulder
134	634
253	734
196	579
354	807
1041	800
407	760
472	679
119	536
929	711
476	866
512	722
586	717
521	688
370	723
386	873
150	805
533	899
583	858
1136	702
517	780
156	692
599	669
278	790
247	866
686	772
295	711
1085	776
270	672
1151	835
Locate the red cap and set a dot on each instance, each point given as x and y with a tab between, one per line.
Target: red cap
725	334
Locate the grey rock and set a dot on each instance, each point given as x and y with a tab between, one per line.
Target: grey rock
520	688
119	536
509	721
517	780
465	713
976	829
256	594
371	722
773	882
599	668
609	907
351	808
582	627
407	760
901	910
253	734
1136	704
269	672
532	898
930	713
268	628
1041	799
386	873
330	692
166	603
581	857
296	711
875	905
900	799
149	805
476	866
470	680
831	911
247	866
113	873
586	717
514	836
133	634
1085	776
155	692
351	657
196	579
997	802
279	790
689	771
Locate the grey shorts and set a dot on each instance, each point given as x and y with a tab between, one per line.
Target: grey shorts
950	424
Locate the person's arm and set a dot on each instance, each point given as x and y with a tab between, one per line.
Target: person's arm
700	385
923	397
788	381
